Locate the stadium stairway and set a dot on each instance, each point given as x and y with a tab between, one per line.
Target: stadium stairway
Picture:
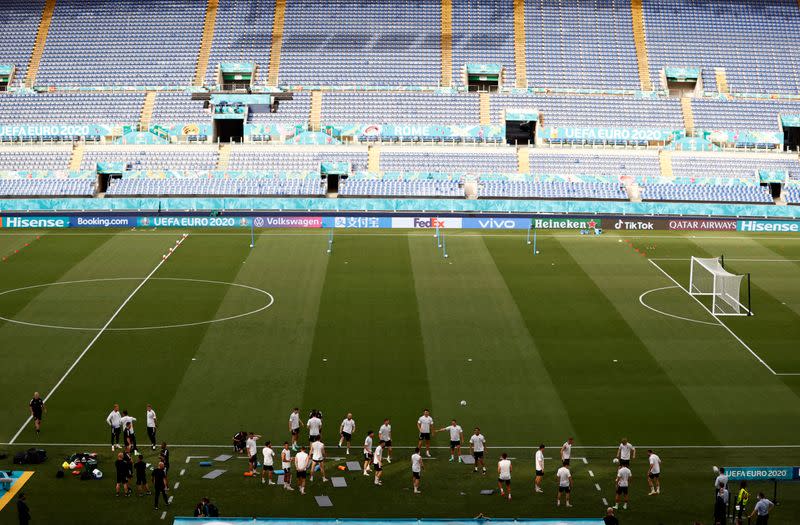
224	157
485	109
688	115
147	110
315	116
640	41
665	163
374	159
722	80
520	57
447	43
523	159
277	42
41	40
205	44
77	155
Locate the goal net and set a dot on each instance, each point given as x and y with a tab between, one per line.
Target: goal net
708	277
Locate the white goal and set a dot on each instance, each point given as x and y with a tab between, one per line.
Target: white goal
708	276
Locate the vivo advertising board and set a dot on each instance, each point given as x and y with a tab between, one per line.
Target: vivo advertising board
495	224
36	222
427	222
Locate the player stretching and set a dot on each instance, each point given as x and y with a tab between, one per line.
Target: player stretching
504	475
424	424
318	459
294	426
286	465
346	431
377	462
654	473
623	482
456	436
368	452
566	451
385	435
416	469
37	409
477	446
539	468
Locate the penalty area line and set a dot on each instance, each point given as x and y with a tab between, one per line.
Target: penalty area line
723	325
100	332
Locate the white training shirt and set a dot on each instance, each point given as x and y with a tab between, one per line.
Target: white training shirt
286	458
301	461
385	432
425	423
317	451
314	425
625	450
376	459
124	420
416	462
566	450
655	461
722	478
348	425
455	432
505	468
624	475
151	418
563	475
539	460
114	419
252	448
294	421
269	456
478	442
368	445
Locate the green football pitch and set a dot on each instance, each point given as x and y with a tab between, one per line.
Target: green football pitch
595	337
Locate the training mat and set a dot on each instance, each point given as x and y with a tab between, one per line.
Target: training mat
214	474
353	465
339	482
487	492
467	459
323	501
223	457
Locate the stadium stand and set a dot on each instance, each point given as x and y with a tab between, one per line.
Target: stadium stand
688	165
751	39
178	108
136	158
490	160
293	158
754	115
705	193
46	187
71	108
402	185
262	185
391	108
295	111
361	42
564	38
483	33
19	20
122	42
530	189
564	162
47	158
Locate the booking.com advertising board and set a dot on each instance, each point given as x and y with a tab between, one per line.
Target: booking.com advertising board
619	223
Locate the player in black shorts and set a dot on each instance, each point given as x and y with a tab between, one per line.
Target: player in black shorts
37	409
140	468
123	471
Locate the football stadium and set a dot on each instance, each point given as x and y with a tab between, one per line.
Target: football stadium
367	262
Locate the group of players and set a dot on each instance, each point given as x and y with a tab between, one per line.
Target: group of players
307	461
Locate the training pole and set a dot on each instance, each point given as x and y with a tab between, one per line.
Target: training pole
252	235
437	234
444	247
534	243
439	237
330	242
528	240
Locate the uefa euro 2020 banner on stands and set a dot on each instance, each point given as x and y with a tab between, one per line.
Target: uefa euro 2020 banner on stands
480	132
612	134
60	130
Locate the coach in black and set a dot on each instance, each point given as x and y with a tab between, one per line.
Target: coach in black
37	409
160	483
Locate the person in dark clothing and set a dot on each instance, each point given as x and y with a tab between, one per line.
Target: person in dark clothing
163	456
609	518
160	483
23	510
141	476
37	410
123	472
129	437
720	506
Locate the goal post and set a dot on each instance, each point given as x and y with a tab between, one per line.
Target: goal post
708	277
